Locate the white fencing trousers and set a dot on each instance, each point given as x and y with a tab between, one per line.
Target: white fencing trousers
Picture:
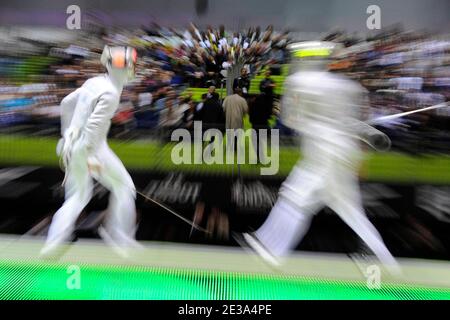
303	194
121	213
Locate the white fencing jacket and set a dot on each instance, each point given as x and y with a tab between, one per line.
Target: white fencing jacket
86	113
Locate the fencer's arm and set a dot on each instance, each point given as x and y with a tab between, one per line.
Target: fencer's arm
74	111
68	105
74	108
97	125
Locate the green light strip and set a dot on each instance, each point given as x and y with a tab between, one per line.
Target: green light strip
45	280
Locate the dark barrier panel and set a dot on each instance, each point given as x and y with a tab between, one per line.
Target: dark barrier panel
414	220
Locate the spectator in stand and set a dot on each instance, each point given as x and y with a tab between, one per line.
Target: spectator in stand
211	92
260	112
211	114
170	116
189	114
201	103
243	82
267	85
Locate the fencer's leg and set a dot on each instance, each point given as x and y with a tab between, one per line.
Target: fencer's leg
290	218
347	204
284	228
358	221
120	221
78	191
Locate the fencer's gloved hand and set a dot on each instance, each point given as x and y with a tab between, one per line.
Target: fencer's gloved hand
368	134
94	166
375	138
380	141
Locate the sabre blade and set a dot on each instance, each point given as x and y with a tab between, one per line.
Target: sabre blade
173	212
402	114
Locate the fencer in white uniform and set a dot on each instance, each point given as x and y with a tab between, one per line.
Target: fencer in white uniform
326	109
85	121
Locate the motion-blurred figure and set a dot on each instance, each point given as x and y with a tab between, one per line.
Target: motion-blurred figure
326	109
85	121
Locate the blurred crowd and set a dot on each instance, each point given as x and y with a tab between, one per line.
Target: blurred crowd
401	70
197	57
170	62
